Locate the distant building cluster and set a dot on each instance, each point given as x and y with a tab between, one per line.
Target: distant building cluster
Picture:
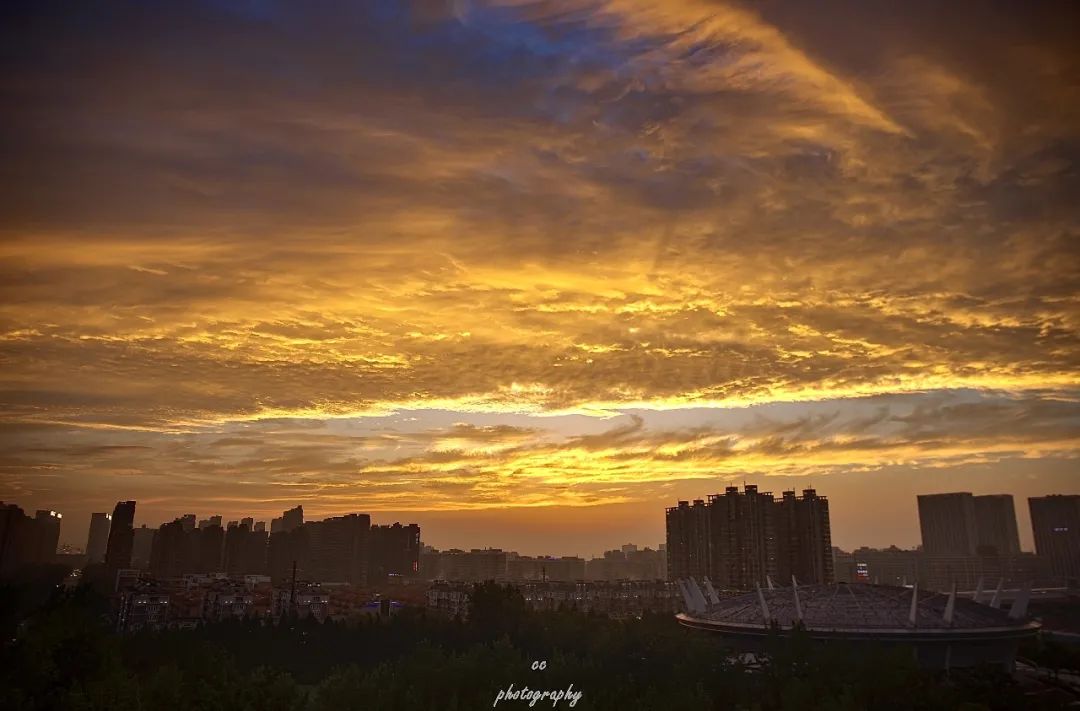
737	539
190	600
629	563
341	549
26	540
740	539
615	598
970	539
477	565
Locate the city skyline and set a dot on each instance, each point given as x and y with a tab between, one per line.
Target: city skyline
737	539
530	271
1020	513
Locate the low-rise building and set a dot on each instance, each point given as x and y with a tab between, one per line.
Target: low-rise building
624	598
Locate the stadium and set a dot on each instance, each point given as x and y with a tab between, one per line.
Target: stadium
942	630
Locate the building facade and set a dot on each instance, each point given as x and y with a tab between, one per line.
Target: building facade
121	537
47	535
742	538
1055	521
995	525
395	550
26	540
947	523
97	538
687	540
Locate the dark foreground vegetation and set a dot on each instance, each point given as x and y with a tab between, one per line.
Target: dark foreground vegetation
62	655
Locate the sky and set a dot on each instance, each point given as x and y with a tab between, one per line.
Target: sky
527	273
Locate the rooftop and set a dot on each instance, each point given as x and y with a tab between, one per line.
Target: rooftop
855	606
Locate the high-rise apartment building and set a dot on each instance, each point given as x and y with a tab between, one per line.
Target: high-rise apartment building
947	523
48	535
395	550
688	540
995	525
338	549
961	524
180	550
236	543
142	547
24	540
738	539
743	546
97	539
172	554
292	519
802	525
1055	521
121	537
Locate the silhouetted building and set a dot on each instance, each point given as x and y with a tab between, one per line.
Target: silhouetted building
97	539
245	550
562	568
476	565
292	519
172	555
142	547
739	539
888	566
947	523
843	566
967	539
941	571
395	550
179	550
208	522
121	537
995	525
209	545
743	546
236	543
1055	521
46	535
20	540
338	549
628	563
286	549
688	540
255	553
804	537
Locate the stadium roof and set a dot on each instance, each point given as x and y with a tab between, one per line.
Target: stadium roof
847	606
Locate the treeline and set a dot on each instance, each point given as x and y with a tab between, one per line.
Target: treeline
65	657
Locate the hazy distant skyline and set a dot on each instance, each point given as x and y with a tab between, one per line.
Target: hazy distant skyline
526	273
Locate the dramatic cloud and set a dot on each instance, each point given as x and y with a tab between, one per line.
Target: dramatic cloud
450	256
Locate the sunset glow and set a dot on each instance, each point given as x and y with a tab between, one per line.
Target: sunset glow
528	272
